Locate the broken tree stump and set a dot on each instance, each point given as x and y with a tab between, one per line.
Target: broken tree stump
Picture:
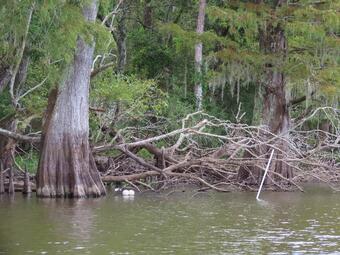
27	185
11	189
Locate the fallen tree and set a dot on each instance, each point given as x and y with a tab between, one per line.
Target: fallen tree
210	152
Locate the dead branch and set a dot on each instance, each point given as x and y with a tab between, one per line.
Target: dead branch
189	158
101	69
19	137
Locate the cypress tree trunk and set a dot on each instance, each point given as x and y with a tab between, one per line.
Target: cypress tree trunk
199	55
66	166
275	111
275	106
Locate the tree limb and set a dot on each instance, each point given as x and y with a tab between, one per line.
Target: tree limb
298	100
32	89
101	68
19	137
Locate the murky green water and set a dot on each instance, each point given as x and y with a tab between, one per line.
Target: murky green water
209	223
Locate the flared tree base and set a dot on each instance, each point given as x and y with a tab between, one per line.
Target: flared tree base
67	169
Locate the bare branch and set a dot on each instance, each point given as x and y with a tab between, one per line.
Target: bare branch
19	137
112	14
308	153
101	68
32	89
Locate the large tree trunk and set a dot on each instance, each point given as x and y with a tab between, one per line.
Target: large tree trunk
121	39
199	56
275	112
275	106
66	167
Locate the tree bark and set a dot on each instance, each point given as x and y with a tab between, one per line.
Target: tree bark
27	185
5	77
119	35
275	111
121	39
198	56
147	19
66	166
275	106
11	189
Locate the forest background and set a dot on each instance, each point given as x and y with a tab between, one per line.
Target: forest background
249	62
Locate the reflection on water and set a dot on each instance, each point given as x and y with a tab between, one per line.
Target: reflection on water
208	223
74	215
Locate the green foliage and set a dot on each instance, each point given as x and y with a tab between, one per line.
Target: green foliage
314	46
186	40
6	107
329	80
61	23
13	21
151	57
134	94
178	108
28	160
145	154
103	39
241	24
182	39
36	101
160	72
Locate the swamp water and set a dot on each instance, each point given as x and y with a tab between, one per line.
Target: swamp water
177	223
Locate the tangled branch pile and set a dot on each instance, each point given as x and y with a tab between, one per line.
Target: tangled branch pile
217	154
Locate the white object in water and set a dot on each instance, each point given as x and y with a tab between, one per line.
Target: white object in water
118	189
265	173
127	192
